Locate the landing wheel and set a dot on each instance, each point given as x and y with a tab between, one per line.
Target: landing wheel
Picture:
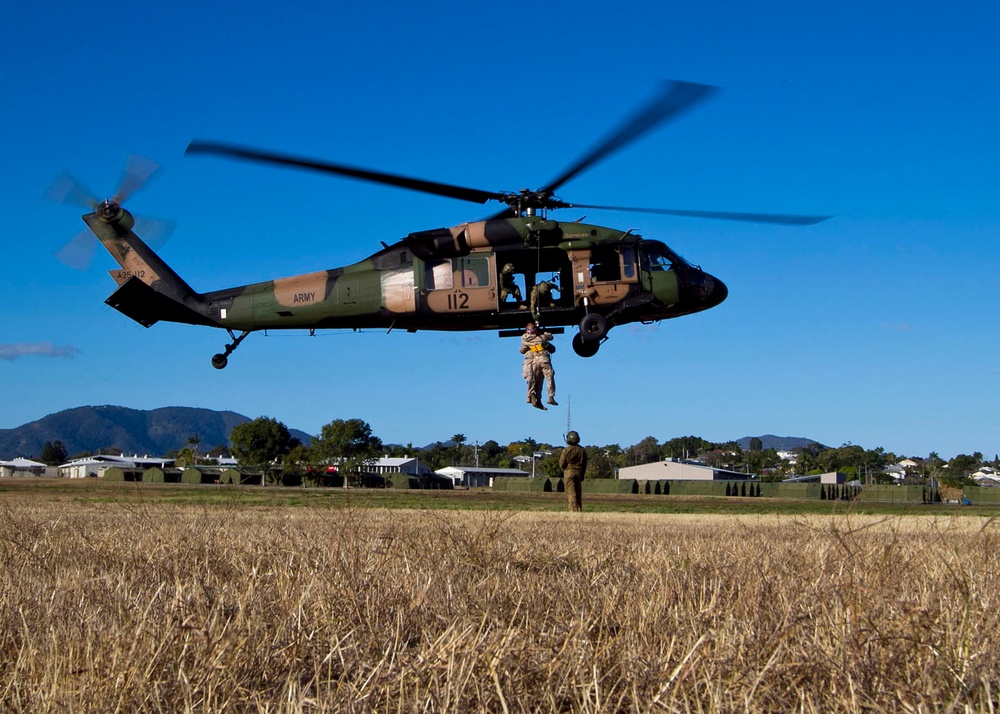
220	360
584	348
593	327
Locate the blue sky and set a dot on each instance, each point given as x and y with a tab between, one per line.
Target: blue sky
877	327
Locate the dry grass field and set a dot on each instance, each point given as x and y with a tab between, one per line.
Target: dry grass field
134	605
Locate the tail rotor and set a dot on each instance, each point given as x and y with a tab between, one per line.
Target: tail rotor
78	252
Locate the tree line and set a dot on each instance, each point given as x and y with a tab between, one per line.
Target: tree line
350	446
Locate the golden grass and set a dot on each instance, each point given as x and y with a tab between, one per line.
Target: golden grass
133	607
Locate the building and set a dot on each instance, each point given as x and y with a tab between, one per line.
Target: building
476	476
680	470
405	465
986	476
21	467
831	478
95	466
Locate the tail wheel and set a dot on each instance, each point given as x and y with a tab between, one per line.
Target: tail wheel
593	327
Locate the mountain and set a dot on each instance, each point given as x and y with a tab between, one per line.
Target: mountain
778	443
133	431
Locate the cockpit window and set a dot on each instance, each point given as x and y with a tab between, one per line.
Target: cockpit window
659	262
657	256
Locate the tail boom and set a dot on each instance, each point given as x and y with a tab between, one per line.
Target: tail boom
148	289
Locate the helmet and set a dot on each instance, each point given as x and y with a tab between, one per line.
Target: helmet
509	268
572	438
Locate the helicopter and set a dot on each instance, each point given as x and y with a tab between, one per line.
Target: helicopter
495	273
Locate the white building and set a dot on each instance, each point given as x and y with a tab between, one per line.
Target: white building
402	465
476	476
97	465
788	456
680	470
829	478
986	476
25	467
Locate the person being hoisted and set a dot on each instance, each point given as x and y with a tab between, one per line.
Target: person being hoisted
536	346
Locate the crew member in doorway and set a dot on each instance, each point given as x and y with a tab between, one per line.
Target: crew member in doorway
509	287
536	346
541	296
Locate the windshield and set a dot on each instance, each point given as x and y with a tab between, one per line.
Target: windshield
658	257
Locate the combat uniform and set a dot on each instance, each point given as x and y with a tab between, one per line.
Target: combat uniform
537	366
541	296
508	286
573	462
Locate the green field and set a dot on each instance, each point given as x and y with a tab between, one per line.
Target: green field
98	491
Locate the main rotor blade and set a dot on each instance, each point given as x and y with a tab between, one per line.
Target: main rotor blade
676	97
440	189
776	218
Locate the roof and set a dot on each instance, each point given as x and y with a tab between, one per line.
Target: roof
22	463
395	460
448	470
111	460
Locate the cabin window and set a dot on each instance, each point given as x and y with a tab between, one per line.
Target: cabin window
628	261
474	271
438	276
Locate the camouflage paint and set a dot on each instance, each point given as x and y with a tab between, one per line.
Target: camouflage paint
441	279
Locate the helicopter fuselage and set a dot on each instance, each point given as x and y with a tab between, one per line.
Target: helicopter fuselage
453	279
486	275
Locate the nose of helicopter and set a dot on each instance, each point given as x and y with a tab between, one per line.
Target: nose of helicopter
706	290
719	292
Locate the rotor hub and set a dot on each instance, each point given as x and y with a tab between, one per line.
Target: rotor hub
109	209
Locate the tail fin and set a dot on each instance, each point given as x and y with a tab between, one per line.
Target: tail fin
148	289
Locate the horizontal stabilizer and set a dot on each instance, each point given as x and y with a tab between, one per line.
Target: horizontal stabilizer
146	306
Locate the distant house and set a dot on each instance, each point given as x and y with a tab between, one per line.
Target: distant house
896	471
788	456
21	467
477	476
831	477
986	476
95	466
398	465
680	470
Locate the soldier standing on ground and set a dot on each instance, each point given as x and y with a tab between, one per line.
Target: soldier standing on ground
536	345
573	462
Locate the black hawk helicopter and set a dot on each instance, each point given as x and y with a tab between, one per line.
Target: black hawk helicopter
488	274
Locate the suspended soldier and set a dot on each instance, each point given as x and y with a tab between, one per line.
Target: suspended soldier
536	346
573	462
